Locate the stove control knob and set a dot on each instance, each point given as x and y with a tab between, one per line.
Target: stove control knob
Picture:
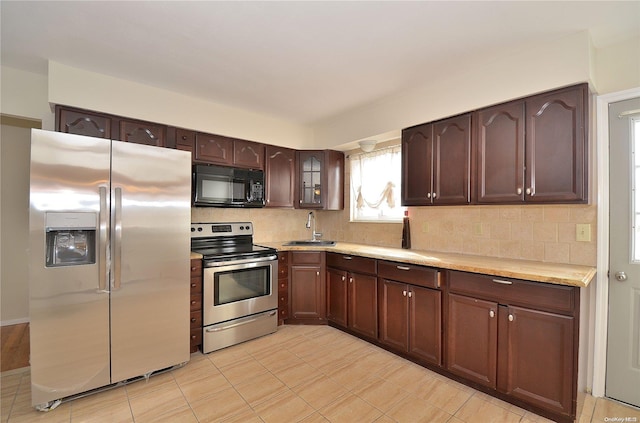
193	229
199	229
242	228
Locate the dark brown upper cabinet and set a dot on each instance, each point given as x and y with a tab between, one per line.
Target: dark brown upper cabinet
139	132
436	159
556	146
218	149
320	179
500	158
280	172
82	122
533	150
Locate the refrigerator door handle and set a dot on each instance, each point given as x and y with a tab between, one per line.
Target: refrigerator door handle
117	244
103	260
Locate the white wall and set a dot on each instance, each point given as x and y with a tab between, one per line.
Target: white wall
24	94
90	90
617	67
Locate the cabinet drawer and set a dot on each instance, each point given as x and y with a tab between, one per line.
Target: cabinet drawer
196	302
283	258
283	271
196	319
409	273
283	299
283	285
538	295
352	263
283	312
306	257
196	268
196	336
185	138
196	285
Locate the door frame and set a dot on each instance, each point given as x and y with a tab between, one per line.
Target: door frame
600	321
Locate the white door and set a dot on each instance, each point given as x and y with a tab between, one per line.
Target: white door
623	344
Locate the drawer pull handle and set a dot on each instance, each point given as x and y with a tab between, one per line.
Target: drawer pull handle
193	268
502	282
193	285
403	268
347	257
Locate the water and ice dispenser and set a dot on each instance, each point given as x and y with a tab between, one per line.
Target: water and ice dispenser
71	238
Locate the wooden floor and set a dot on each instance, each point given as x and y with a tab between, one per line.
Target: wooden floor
15	347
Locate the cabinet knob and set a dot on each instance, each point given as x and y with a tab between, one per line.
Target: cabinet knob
193	337
435	195
511	317
519	191
404	293
184	137
193	285
343	279
428	195
492	313
317	273
193	302
193	268
410	294
529	191
193	320
350	280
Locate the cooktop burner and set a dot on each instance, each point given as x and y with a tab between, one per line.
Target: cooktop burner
224	241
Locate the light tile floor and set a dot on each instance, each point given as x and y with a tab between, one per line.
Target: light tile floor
299	374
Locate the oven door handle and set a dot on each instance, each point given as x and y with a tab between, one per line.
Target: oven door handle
244	322
241	261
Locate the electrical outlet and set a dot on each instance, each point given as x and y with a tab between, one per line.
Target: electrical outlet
583	232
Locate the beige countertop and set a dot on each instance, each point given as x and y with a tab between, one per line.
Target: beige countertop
195	255
561	274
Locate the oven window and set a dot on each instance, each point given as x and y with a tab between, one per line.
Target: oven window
244	284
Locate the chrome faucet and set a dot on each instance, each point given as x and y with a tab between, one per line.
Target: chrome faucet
308	226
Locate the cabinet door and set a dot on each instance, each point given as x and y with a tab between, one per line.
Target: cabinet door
452	160
425	324
280	170
311	190
500	159
143	133
363	304
417	165
83	123
337	296
248	154
393	312
214	149
556	140
307	293
472	336
185	139
540	358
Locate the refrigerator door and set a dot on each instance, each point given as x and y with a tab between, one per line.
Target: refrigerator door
151	218
69	298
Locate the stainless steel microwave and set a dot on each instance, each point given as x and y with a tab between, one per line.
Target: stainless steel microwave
221	186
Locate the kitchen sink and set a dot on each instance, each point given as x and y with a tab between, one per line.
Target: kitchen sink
310	242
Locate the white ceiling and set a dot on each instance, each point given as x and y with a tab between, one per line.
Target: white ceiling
300	61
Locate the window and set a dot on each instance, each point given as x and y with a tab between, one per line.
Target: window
375	186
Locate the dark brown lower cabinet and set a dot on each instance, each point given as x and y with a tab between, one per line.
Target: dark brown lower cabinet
352	301
307	288
410	319
516	337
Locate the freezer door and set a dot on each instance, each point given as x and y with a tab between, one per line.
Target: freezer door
69	303
151	218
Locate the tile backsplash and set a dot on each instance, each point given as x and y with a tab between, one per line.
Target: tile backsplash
541	233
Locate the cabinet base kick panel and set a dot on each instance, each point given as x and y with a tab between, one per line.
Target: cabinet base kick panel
222	335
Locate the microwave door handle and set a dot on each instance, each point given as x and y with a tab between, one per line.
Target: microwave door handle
103	258
117	244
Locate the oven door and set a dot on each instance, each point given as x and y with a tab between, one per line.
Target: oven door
239	288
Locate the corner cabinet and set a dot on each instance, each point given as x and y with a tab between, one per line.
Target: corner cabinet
320	180
533	150
307	287
515	337
436	160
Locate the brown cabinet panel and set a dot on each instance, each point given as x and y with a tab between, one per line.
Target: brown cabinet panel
215	149
185	139
352	263
472	339
425	333
363	304
283	286
143	133
248	154
393	310
280	171
556	142
82	122
417	163
500	159
337	296
540	358
307	287
452	160
196	304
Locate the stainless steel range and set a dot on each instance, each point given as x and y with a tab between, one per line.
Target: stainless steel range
239	300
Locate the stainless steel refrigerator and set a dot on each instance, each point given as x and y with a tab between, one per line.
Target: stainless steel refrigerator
109	262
